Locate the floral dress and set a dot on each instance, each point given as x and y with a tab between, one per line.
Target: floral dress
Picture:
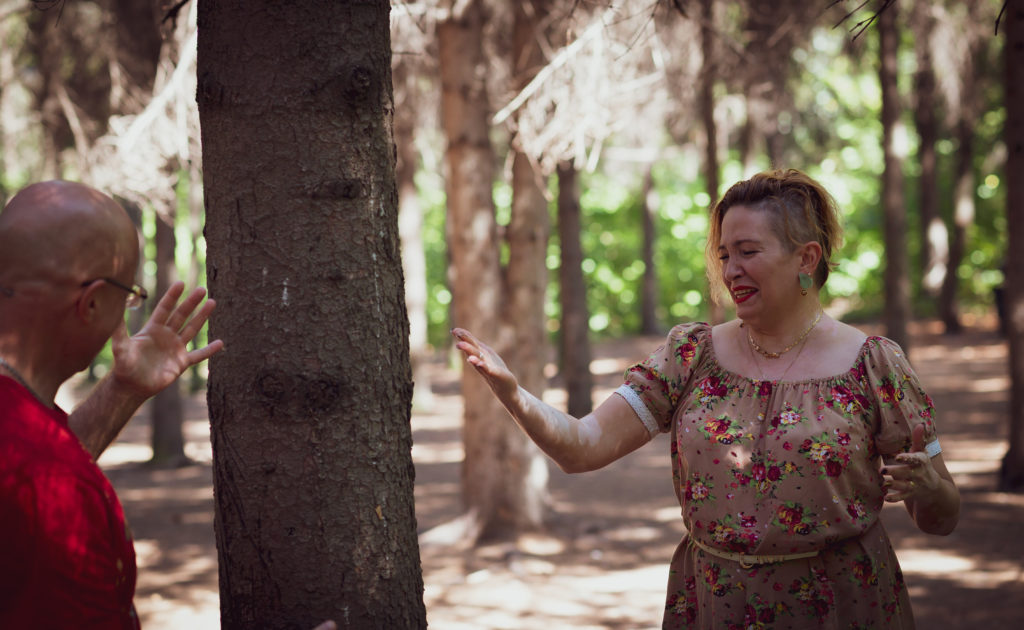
779	468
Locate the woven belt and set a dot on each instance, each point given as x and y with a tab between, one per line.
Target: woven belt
748	561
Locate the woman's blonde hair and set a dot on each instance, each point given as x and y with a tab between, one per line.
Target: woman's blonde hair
800	211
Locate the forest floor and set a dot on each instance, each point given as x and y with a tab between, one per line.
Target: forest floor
602	563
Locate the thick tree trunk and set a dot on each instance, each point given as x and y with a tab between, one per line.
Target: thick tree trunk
310	407
496	472
527	273
897	283
1011	476
649	324
574	346
706	107
168	437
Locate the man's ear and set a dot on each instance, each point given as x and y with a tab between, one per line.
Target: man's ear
810	256
87	306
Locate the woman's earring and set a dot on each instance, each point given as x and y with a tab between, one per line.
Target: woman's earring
805	282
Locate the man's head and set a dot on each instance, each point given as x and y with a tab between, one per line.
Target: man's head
64	248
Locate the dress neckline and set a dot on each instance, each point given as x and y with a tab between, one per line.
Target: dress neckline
864	348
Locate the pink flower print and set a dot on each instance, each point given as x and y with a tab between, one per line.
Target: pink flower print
833	468
789	514
764	389
712	387
759	471
843	439
889	392
717	426
685	353
856	509
774	473
748	520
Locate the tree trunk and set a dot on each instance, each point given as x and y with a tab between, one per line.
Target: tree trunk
932	264
897	283
45	47
496	470
527	273
649	324
168	437
963	217
706	107
310	407
1011	475
574	348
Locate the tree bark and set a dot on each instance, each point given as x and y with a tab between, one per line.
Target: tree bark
527	273
574	340
496	472
310	407
896	279
1011	475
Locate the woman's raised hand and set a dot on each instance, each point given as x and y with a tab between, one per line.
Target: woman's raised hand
488	364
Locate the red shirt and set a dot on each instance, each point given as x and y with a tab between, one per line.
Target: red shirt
66	556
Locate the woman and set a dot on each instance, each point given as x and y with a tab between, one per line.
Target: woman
789	430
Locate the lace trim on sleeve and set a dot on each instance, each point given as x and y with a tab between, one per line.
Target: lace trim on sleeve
645	415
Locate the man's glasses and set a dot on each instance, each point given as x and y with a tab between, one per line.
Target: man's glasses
136	294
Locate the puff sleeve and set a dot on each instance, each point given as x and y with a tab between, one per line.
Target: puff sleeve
654	387
900	400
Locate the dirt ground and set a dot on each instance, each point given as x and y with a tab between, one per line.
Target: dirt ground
603	561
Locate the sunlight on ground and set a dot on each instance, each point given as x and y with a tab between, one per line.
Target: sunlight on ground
564	599
963	571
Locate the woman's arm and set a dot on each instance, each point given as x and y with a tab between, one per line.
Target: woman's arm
575	444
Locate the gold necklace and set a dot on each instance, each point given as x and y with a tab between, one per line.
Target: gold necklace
781	377
768	354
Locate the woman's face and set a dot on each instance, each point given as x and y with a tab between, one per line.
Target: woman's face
760	274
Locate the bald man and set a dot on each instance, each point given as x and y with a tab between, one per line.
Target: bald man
68	258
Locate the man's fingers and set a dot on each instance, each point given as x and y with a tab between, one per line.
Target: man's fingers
185	309
163	309
204	353
191	329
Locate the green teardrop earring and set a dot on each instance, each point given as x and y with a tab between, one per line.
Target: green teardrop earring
805	282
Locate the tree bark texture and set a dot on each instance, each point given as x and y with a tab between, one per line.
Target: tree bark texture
497	471
1012	474
896	278
574	348
310	404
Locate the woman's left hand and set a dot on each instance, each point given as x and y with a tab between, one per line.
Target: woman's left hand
912	474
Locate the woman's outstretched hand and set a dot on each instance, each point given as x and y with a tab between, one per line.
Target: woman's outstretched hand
488	364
